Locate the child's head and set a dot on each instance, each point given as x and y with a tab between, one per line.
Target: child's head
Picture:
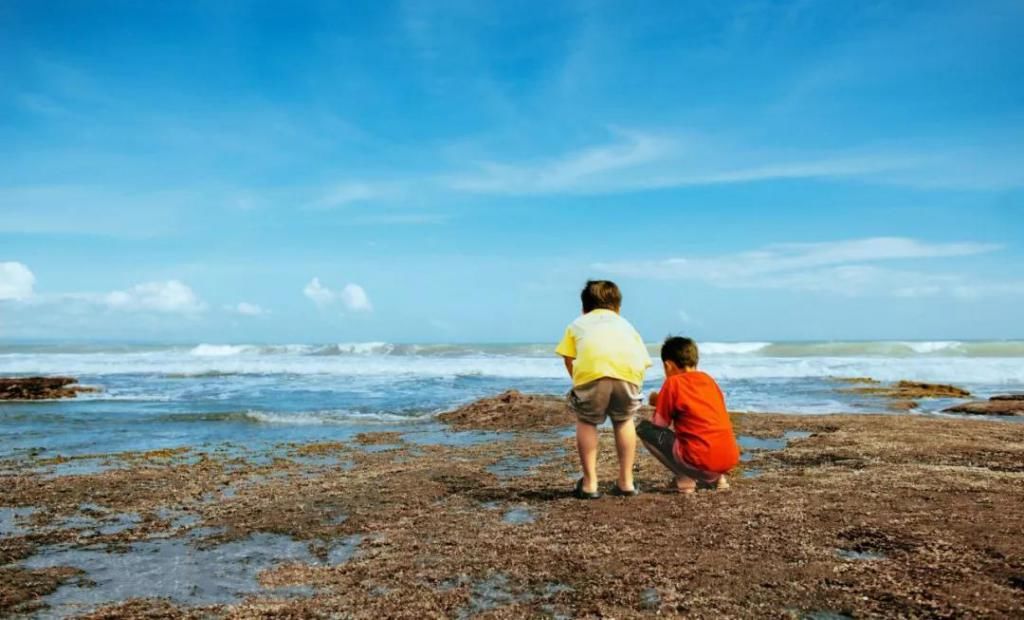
679	354
599	294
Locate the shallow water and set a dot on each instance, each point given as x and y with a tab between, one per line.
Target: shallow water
650	599
848	554
749	445
159	396
515	466
519	515
173	568
12	519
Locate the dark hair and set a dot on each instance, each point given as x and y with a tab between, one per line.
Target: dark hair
600	294
680	351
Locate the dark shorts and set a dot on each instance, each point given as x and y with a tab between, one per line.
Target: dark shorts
606	397
661	441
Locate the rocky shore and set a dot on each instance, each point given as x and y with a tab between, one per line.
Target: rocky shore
829	516
1002	405
41	388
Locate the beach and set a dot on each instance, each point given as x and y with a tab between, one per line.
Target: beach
830	516
348	310
376	480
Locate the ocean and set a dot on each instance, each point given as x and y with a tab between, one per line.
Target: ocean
160	396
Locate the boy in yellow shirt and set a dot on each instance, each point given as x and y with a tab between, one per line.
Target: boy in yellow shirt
606	359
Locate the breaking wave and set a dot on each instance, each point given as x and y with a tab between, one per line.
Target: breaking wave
316	418
897	348
297	418
381	365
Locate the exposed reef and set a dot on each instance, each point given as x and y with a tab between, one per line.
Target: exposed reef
41	388
1002	405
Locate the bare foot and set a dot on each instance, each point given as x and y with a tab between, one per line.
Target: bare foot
683	484
722	483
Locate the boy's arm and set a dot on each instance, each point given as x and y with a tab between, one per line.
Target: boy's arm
567	349
663	406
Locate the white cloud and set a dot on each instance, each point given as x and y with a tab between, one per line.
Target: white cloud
842	267
247	309
355	298
352	296
16	282
320	294
171	297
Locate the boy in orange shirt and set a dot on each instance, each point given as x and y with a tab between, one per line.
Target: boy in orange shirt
690	433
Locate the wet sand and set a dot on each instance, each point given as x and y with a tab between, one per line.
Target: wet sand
847	515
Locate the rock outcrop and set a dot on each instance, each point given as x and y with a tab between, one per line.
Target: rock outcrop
910	390
40	388
1004	404
902	395
511	411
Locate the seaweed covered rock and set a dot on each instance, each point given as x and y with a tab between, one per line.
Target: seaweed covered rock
40	388
909	390
1004	404
902	395
509	411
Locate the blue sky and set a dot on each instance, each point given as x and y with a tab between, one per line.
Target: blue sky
454	171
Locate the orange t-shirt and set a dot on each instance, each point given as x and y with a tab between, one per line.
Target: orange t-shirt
693	404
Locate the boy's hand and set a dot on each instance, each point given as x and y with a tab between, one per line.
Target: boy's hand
652	399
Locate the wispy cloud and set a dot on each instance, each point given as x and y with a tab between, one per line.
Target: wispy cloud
399	219
639	160
843	267
92	210
352	296
575	171
632	160
352	192
687	319
16	282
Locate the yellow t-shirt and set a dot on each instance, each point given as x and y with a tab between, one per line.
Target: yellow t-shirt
604	344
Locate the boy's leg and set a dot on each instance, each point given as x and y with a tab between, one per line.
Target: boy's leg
659	442
625	448
681	482
586	443
625	401
658	455
589	403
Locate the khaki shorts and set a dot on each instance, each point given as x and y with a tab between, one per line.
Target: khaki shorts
593	402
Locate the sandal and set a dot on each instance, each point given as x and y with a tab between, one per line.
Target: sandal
618	492
722	484
579	493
